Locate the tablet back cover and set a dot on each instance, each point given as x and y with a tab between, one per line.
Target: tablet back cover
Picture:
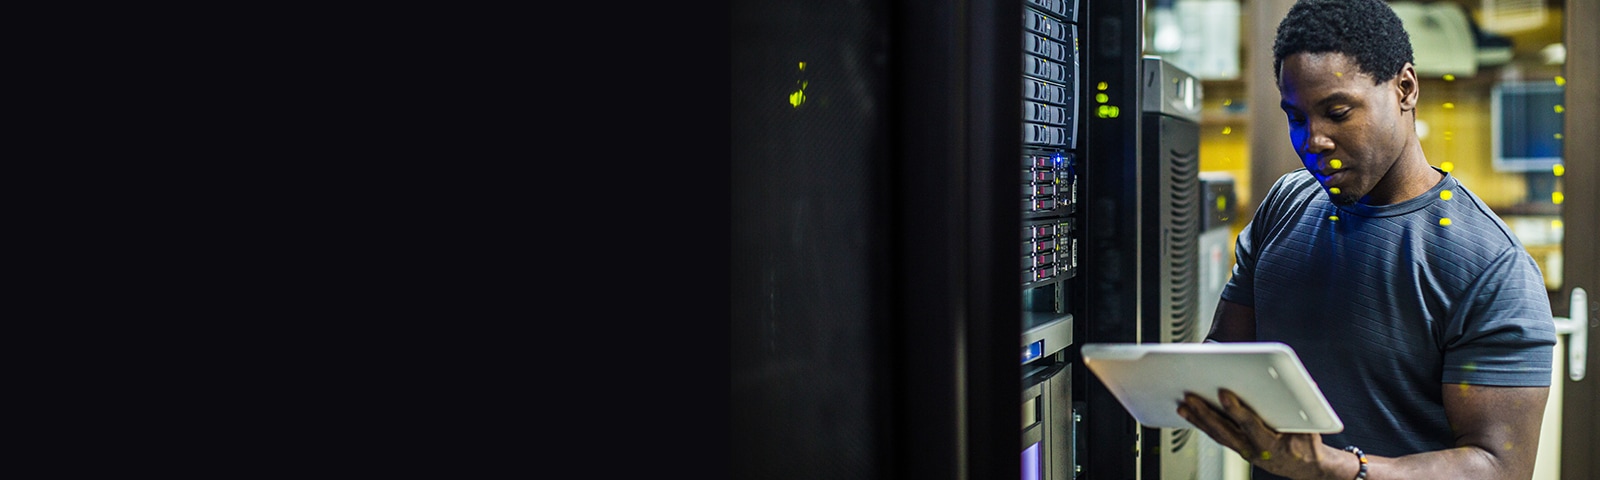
1150	379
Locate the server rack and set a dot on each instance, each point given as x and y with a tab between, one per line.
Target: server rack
875	304
1050	77
1172	223
875	235
1084	132
1218	204
1113	246
1122	222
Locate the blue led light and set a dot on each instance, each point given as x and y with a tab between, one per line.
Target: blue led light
1034	350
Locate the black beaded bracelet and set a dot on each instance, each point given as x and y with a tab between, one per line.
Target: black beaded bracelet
1361	475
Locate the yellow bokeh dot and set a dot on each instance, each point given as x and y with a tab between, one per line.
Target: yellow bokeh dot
1557	198
1560	109
1449	77
1335	163
1227	130
1560	80
1334	190
1444	222
1558	136
1555	224
1445	195
1100	86
1101	97
1447	166
1449	105
1227	102
1559	169
1333	217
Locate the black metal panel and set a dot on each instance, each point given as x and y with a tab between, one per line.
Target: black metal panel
810	164
987	330
1111	208
875	243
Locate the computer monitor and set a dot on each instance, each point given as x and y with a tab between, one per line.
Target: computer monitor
1526	120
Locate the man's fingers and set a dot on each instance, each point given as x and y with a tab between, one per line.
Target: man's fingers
1214	423
1248	422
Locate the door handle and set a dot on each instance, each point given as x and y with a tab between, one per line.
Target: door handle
1577	329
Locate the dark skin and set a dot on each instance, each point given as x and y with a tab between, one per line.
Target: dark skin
1353	133
1336	112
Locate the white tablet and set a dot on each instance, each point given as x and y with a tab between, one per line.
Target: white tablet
1151	378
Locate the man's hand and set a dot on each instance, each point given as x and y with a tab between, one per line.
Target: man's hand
1236	426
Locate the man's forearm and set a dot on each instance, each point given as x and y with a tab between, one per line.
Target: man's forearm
1466	463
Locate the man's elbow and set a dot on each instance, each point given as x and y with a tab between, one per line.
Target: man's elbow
1508	460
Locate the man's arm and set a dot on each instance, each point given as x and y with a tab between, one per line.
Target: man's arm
1497	437
1233	322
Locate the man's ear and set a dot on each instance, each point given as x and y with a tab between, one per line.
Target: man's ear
1406	87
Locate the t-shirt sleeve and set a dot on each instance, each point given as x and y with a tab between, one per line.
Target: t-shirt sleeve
1240	288
1506	335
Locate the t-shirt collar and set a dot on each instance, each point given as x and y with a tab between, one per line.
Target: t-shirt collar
1408	206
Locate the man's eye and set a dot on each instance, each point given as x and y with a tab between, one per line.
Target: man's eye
1339	113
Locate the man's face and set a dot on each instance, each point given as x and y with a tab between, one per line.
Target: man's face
1347	130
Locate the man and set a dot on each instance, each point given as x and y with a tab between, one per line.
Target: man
1421	317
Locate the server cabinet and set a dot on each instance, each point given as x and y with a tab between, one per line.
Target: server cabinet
1112	243
876	302
809	380
1050	79
1218	206
1171	226
875	231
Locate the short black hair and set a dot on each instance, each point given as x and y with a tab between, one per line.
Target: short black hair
1367	31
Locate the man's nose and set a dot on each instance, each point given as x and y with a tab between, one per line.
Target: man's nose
1318	143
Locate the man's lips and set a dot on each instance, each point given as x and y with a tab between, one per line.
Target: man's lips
1331	180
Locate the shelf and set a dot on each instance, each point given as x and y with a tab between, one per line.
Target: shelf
1051	331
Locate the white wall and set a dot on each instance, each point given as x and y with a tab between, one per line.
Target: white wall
1548	466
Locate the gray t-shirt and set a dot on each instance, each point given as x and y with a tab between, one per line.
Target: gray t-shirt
1386	304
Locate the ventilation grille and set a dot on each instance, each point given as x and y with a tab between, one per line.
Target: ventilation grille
1181	437
1183	243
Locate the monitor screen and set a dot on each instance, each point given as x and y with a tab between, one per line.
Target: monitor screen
1526	118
